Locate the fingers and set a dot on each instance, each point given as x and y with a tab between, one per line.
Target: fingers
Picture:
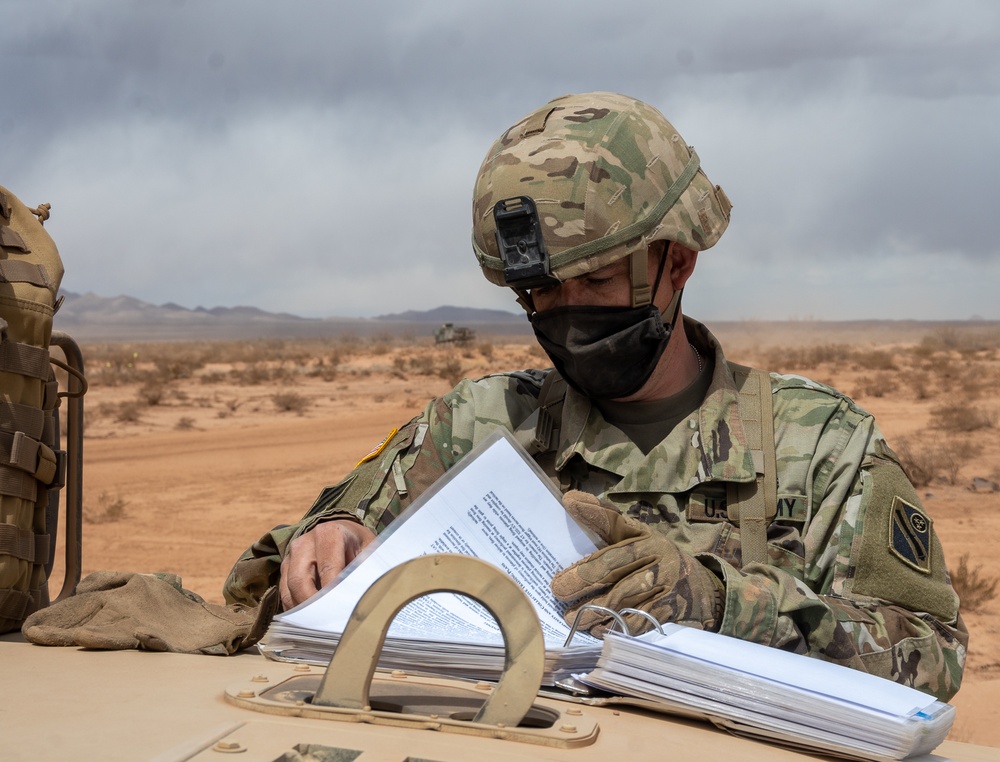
317	557
587	511
597	574
601	517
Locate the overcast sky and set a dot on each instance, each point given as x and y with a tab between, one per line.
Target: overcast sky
318	157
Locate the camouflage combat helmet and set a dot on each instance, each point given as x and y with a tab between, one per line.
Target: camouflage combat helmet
608	176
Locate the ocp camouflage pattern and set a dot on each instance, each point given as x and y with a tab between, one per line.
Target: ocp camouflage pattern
594	164
832	589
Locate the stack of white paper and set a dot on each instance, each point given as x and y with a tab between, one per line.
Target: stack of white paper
771	694
494	505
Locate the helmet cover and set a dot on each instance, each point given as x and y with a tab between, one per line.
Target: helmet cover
608	176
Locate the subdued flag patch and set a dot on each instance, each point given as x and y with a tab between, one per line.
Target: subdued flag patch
910	535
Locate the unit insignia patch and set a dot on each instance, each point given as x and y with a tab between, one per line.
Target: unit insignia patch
910	535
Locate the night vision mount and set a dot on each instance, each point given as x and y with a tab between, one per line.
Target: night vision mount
519	240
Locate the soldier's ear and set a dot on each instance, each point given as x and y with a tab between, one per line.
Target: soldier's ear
682	262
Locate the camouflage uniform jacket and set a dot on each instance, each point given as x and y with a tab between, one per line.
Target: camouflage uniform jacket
841	583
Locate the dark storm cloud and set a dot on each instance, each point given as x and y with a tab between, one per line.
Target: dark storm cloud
221	138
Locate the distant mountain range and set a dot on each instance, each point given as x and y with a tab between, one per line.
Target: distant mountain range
91	318
88	317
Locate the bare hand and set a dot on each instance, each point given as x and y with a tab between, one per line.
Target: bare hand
318	556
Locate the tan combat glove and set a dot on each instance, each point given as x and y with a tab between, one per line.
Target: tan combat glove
122	610
640	568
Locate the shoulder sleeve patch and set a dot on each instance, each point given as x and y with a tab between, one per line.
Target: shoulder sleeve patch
895	555
910	535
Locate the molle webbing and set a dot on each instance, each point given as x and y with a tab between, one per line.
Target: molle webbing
25	360
23	544
32	467
16	271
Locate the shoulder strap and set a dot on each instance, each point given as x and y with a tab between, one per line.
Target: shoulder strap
539	432
753	504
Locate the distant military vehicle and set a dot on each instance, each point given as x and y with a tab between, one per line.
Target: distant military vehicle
448	333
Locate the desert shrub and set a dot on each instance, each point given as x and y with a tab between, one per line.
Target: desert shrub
450	370
962	417
151	393
322	371
876	386
173	368
933	460
940	364
918	463
981	338
252	374
185	423
875	359
974	587
972	386
290	402
943	338
229	407
486	350
129	411
921	385
787	359
212	377
108	509
113	366
283	374
424	364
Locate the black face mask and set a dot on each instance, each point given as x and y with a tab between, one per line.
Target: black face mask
603	352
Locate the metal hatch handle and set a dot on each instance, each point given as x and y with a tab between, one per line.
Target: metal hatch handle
348	678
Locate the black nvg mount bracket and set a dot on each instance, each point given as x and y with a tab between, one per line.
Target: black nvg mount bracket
519	239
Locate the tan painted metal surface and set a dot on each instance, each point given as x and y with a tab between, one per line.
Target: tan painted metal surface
130	705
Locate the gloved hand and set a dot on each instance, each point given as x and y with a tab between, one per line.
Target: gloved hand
640	568
122	610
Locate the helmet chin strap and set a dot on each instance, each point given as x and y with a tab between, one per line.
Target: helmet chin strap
642	292
674	306
524	299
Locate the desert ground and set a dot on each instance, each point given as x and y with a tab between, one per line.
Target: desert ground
194	449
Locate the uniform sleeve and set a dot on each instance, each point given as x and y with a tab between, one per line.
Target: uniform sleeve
373	494
396	472
873	592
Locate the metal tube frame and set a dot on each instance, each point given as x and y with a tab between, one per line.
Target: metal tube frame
73	489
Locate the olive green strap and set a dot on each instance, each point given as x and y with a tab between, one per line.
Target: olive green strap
27	418
23	544
19	271
24	359
754	503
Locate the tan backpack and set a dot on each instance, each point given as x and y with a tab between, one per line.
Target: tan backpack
31	465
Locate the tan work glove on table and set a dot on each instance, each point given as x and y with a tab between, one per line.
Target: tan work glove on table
640	568
124	610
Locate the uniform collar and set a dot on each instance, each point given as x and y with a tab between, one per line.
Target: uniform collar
711	445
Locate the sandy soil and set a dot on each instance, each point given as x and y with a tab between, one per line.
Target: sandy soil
240	438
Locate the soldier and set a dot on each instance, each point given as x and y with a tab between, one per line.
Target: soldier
593	209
